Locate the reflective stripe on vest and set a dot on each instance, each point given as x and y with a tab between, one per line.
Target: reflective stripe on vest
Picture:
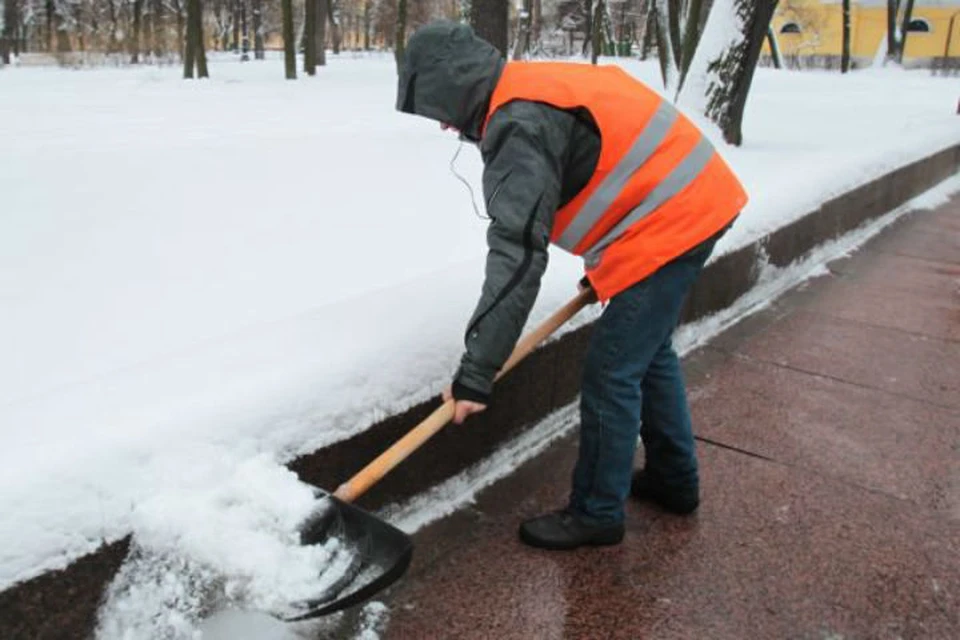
675	182
643	148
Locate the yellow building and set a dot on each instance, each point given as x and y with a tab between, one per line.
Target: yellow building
813	29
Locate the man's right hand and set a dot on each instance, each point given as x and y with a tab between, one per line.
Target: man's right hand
463	409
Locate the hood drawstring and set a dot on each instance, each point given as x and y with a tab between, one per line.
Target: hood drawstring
459	177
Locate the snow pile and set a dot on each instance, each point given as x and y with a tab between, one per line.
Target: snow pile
228	538
200	281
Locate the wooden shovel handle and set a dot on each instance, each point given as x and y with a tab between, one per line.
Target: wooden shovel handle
369	475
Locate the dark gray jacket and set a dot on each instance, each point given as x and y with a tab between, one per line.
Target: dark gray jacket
536	159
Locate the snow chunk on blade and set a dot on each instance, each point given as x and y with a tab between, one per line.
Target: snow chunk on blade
246	543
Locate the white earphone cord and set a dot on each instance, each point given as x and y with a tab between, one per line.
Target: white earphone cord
453	169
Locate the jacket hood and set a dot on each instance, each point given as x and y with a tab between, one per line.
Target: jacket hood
448	74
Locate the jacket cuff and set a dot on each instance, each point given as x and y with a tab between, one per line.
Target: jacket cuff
462	392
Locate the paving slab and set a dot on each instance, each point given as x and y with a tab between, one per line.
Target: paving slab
906	365
772	553
875	439
829	429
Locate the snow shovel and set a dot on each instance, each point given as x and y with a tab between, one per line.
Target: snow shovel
380	552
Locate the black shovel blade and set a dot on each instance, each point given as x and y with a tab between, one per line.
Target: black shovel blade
380	552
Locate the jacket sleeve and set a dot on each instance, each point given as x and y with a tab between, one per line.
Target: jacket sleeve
523	152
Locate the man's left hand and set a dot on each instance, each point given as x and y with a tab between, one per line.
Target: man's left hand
464	408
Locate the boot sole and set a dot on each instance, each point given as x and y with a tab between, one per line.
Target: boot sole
683	511
600	540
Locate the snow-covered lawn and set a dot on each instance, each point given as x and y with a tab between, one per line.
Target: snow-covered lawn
199	279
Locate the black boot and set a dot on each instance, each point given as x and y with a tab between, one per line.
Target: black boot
565	530
680	500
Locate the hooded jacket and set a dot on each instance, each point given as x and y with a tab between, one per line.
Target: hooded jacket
536	159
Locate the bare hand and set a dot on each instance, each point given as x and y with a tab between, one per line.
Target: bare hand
463	408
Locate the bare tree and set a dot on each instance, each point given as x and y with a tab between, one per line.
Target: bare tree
333	13
490	20
8	37
310	37
195	55
677	27
893	42
845	55
904	30
235	23
244	33
536	25
724	69
289	44
158	28
597	39
521	44
666	53
257	11
321	27
367	15
401	32
179	7
137	25
898	29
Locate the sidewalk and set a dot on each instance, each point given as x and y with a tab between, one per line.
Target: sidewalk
829	431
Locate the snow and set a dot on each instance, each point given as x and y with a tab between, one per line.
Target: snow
202	280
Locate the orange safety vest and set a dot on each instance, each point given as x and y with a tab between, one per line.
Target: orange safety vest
659	189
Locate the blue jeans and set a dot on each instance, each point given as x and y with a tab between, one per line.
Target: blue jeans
632	377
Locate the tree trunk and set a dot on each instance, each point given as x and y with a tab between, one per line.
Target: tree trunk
597	35
321	31
235	20
536	25
490	20
333	12
400	39
665	49
893	42
774	48
674	10
77	27
63	38
49	10
158	29
310	37
907	17
691	37
137	26
190	45
181	40
649	30
725	67
8	38
244	32
845	56
587	28
289	44
258	51
522	44
367	10
201	51
19	32
196	56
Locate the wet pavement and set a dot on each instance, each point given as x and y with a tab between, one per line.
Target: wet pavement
829	430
